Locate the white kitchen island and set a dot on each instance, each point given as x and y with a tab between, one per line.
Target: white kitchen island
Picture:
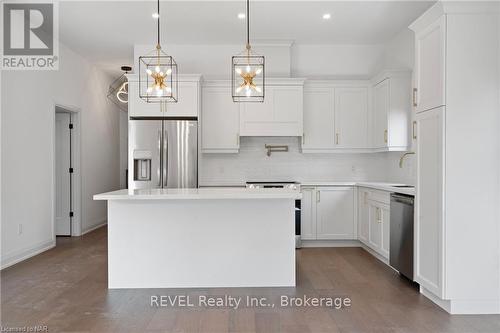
196	238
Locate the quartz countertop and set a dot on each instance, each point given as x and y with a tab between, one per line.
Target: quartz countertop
383	186
200	193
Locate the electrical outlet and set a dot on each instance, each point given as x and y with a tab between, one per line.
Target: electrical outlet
353	168
19	229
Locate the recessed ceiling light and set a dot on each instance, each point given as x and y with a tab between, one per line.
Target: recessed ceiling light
241	16
326	16
155	15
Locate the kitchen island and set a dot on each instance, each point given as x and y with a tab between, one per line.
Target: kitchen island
197	238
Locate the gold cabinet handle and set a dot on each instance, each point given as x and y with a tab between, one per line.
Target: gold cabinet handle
415	94
414	130
303	138
336	138
318	196
385	136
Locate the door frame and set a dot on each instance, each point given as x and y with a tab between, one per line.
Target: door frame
76	186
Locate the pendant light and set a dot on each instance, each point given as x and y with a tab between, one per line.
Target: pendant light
247	72
118	89
158	80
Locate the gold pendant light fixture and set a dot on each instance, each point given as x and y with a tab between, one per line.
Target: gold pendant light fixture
158	80
247	72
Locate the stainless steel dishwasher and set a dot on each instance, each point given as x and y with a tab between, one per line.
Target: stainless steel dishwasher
401	234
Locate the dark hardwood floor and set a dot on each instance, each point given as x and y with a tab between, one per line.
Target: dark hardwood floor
66	290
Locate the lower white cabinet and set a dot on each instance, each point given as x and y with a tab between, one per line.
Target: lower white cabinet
328	213
335	213
374	220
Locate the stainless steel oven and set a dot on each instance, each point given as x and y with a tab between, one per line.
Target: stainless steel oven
288	185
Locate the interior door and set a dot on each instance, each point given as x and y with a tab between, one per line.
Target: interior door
335	213
351	117
63	175
180	154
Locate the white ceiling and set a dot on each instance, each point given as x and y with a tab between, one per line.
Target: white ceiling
105	31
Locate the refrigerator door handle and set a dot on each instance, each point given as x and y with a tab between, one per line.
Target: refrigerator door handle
165	159
158	173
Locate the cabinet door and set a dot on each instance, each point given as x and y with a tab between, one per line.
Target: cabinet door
381	105
220	121
279	115
430	66
375	226
363	215
429	224
308	214
319	119
186	106
335	213
384	246
351	117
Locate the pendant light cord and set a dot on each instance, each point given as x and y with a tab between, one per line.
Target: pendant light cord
158	27
248	24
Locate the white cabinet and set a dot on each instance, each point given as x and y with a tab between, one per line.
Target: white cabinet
328	213
335	213
456	225
363	216
374	220
351	117
188	104
319	119
336	116
429	203
308	214
279	115
219	120
391	115
429	91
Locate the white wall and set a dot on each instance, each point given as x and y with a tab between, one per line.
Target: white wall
27	150
335	61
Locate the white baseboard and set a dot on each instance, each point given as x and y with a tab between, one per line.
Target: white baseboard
99	224
330	243
20	255
375	254
464	306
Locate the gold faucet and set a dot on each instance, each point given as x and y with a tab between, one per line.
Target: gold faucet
402	158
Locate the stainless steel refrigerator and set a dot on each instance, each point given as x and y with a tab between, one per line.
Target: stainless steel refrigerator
164	153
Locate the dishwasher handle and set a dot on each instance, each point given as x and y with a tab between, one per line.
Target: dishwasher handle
405	199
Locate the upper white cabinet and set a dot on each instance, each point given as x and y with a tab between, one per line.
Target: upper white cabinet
351	117
335	116
220	120
279	115
188	104
429	90
391	114
319	119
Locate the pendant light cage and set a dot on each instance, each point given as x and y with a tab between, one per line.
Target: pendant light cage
158	81
248	78
248	71
118	90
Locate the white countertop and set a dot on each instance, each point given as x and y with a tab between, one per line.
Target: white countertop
383	186
200	193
